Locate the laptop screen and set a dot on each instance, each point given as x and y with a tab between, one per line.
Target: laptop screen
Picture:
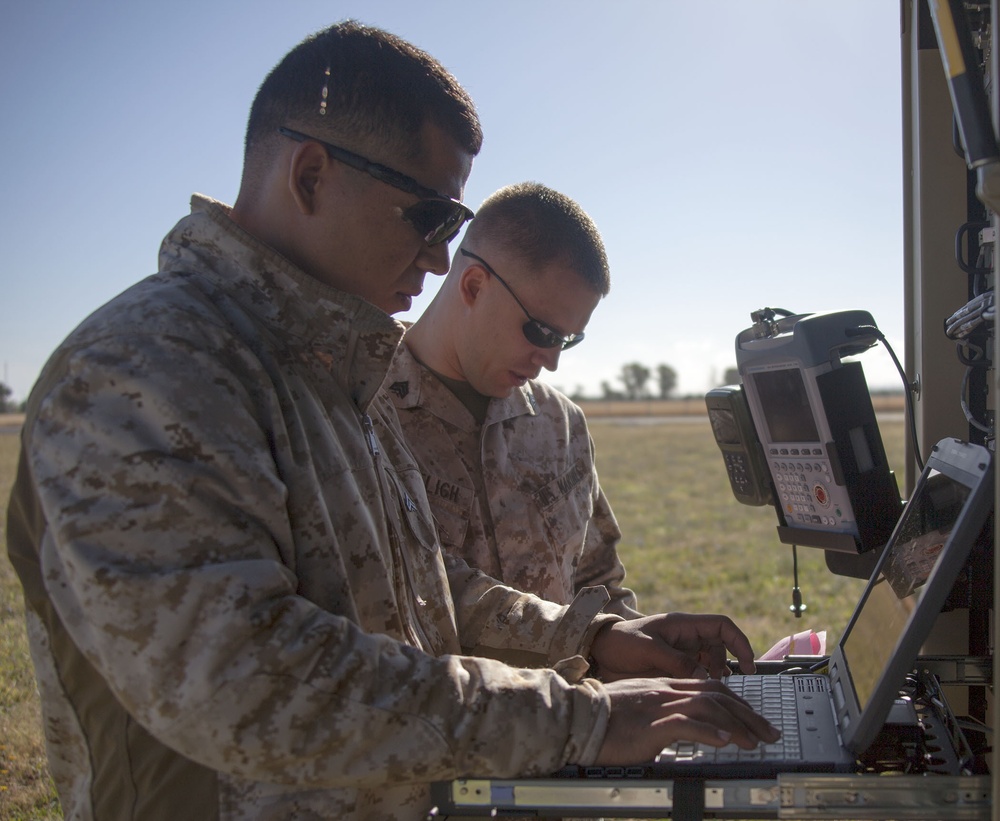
914	551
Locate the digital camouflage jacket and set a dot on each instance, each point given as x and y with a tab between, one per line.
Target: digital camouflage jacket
518	496
236	600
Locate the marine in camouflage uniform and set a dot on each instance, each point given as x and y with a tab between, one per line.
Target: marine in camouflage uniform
508	461
517	496
238	608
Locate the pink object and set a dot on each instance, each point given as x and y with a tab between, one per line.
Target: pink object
806	643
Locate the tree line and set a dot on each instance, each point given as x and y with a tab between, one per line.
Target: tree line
7	403
639	382
636	383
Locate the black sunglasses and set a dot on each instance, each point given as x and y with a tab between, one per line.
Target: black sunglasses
535	331
436	218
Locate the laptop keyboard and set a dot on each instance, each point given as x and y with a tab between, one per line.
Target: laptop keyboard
771	696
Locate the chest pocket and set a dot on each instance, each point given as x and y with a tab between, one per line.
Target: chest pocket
566	504
414	521
451	503
423	594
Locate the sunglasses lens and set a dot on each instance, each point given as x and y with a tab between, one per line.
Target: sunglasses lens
542	336
437	220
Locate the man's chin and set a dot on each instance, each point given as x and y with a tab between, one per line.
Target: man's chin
396	304
503	391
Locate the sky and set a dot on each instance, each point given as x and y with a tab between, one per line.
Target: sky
735	155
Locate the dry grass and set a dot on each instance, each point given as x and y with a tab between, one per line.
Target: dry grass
26	791
688	546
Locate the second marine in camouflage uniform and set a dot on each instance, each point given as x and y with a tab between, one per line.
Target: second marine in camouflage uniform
518	496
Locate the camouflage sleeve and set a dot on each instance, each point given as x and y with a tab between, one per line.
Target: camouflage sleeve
497	621
600	564
166	557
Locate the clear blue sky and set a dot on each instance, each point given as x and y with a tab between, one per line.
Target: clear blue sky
735	154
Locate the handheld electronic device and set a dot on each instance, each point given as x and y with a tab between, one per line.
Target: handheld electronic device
816	424
736	437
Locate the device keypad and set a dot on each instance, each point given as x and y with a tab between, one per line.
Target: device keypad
802	481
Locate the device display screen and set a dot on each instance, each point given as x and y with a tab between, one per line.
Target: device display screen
724	426
783	398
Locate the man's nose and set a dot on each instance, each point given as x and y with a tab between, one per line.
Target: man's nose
548	358
435	258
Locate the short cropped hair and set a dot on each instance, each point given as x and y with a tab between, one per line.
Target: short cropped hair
542	226
363	84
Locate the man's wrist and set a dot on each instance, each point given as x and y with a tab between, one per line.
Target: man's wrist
600	623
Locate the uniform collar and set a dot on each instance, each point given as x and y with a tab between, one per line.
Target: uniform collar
411	384
346	334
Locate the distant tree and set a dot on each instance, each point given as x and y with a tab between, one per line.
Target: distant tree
579	395
610	394
6	406
731	377
634	377
666	378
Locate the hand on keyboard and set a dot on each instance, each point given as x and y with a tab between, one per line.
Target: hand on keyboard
674	644
650	714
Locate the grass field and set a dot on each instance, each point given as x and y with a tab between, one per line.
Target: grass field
26	790
688	545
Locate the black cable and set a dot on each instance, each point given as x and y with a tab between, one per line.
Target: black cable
962	326
820	666
978	361
967	228
963	401
907	387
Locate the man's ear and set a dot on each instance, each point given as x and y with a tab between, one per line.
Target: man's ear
305	174
470	285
